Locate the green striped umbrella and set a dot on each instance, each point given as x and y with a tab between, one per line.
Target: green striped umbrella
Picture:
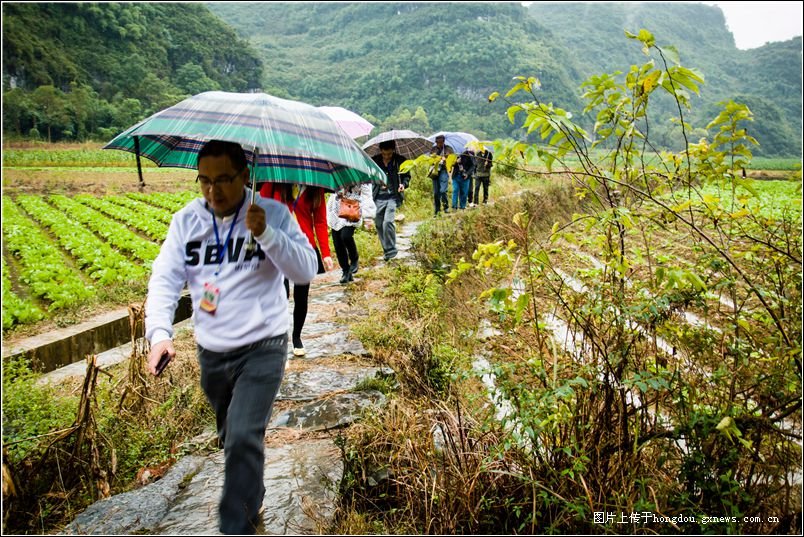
285	141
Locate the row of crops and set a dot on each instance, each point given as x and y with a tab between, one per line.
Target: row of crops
59	251
86	157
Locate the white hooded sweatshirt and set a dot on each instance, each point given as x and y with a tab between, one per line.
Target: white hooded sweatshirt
252	304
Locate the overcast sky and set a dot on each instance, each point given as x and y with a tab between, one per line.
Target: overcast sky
755	23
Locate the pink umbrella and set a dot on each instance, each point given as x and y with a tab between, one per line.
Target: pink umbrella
354	125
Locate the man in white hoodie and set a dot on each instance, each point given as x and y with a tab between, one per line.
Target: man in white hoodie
240	312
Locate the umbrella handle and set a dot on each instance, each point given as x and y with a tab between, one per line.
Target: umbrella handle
251	243
139	164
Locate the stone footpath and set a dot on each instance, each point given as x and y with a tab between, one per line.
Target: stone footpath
302	463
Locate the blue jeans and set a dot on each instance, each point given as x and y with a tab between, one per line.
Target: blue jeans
241	386
460	191
440	186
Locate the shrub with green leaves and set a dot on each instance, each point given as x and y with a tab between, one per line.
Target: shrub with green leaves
647	354
30	410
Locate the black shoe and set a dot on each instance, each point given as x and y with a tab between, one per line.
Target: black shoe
353	267
347	277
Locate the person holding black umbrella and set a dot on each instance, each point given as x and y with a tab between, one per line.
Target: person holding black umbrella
389	196
240	313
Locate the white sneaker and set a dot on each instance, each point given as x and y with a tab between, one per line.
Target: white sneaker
299	351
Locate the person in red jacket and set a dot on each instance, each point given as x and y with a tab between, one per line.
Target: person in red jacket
308	205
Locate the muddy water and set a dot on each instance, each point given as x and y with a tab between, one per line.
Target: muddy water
302	463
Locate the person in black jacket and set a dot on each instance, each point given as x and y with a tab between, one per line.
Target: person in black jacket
389	196
461	177
483	162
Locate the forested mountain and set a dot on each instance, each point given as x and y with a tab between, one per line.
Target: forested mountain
767	79
388	58
380	59
72	70
425	66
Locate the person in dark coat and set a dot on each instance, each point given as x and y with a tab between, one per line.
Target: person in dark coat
389	196
483	162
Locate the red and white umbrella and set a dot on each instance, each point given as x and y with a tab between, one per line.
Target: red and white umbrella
352	124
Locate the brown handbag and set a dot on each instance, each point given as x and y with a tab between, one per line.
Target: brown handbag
349	210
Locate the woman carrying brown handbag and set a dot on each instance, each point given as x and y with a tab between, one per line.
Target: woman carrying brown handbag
343	230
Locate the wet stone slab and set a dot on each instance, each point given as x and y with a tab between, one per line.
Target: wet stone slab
331	295
298	480
329	413
318	382
137	510
315	329
332	344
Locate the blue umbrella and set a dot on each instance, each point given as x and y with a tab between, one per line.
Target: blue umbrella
456	140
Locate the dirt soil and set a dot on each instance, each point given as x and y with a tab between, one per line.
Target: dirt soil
767	175
102	182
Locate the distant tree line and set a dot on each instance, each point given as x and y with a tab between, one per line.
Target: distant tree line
89	70
380	58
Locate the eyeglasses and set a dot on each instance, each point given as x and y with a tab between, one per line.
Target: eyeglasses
206	182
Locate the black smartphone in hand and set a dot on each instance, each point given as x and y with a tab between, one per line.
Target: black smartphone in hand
163	362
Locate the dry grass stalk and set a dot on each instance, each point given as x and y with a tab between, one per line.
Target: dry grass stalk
77	453
136	389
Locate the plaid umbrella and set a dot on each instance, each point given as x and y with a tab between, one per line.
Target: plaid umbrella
354	125
456	140
408	144
285	141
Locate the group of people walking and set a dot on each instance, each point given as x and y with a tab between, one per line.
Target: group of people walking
238	260
469	172
378	204
317	216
